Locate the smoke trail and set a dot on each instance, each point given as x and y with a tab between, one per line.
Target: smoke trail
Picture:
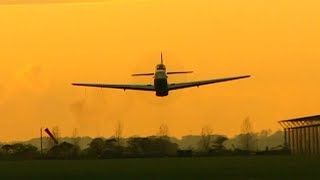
96	114
79	109
89	112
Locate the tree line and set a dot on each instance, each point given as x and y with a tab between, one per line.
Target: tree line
159	145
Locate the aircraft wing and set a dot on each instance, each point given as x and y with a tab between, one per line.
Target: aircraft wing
204	82
119	86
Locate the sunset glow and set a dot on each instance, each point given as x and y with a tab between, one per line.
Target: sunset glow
46	47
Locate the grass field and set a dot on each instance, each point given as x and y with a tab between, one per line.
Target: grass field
268	167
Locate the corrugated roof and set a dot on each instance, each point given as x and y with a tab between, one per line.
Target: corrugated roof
301	122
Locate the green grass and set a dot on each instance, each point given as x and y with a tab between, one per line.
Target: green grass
268	167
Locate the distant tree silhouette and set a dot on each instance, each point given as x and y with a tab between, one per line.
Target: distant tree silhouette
217	142
19	150
64	150
206	139
154	146
56	132
163	131
96	147
100	148
246	138
112	149
151	147
263	138
118	132
75	137
7	149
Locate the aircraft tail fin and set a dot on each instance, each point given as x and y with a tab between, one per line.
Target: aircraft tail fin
161	58
143	74
179	72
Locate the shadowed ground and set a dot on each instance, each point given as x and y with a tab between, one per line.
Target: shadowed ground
269	167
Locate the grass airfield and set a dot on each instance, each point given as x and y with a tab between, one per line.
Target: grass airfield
253	167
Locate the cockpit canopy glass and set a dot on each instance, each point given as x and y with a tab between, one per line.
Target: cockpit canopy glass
161	67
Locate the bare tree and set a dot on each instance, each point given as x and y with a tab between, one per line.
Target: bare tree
247	137
206	138
118	131
75	137
163	131
263	138
56	132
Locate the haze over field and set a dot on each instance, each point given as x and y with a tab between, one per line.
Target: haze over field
45	47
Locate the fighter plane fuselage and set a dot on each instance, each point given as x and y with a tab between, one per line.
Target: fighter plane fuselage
161	81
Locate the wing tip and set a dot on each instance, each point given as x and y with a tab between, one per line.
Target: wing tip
75	84
245	76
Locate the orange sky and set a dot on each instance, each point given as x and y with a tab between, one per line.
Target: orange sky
45	47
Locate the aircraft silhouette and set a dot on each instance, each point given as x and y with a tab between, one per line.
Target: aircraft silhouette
160	85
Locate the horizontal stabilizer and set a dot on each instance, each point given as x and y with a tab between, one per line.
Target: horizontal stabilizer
179	72
143	74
